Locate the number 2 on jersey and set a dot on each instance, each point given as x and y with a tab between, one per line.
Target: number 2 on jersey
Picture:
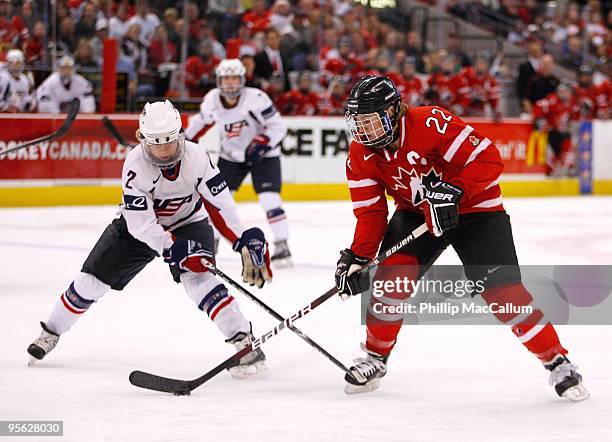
445	117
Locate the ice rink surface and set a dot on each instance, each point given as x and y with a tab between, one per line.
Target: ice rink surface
444	382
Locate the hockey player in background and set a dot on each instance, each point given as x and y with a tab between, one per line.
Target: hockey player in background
61	87
442	172
170	191
251	131
554	115
483	88
16	87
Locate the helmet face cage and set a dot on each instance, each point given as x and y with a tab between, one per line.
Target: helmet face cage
148	146
230	92
373	130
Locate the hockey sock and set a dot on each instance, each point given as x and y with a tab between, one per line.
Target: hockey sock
271	203
536	333
382	327
212	298
76	300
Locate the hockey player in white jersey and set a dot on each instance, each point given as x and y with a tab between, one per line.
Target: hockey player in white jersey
16	87
251	130
61	87
170	191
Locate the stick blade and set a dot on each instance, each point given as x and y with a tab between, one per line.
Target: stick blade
159	383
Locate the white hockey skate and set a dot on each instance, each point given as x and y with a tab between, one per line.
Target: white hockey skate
46	341
282	255
566	380
367	373
250	364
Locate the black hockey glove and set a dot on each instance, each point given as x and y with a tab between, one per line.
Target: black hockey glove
257	149
253	250
441	206
350	279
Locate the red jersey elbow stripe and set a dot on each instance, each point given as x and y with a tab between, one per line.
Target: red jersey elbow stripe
361	183
366	203
487	204
454	147
482	146
494	183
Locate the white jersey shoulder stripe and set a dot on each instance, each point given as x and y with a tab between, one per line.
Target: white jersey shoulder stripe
482	146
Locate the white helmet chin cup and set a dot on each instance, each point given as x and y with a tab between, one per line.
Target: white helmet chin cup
160	123
232	67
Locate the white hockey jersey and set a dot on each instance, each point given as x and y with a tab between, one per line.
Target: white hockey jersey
155	203
53	96
253	115
16	92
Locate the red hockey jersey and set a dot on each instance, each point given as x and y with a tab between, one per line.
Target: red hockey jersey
449	91
483	89
434	145
557	113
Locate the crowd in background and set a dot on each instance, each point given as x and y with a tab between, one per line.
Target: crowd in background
304	53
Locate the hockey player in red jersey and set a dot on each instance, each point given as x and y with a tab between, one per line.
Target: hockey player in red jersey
448	89
586	94
332	103
602	100
442	172
301	101
483	88
410	86
554	114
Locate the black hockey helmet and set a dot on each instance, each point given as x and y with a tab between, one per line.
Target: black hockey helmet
366	111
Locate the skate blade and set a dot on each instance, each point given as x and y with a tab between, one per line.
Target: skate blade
576	393
282	263
246	371
365	388
32	361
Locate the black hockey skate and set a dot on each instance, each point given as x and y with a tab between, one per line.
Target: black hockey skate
46	341
282	255
566	380
250	364
367	373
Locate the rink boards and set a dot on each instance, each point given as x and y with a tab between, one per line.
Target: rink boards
83	167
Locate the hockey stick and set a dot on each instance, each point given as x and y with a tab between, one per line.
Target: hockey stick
72	113
110	127
185	387
213	269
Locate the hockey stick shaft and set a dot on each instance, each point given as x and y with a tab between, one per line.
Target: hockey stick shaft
112	129
213	269
73	111
177	386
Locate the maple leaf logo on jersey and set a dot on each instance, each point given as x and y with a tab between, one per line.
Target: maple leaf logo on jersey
233	129
417	184
474	140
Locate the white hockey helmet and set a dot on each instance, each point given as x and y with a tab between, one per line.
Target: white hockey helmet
160	123
15	61
231	67
65	66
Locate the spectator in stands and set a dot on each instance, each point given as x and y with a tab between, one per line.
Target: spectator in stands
34	48
345	65
280	17
66	41
276	90
483	89
410	86
171	15
97	41
146	20
301	101
332	102
240	44
413	48
86	26
453	47
27	16
196	23
207	33
162	50
200	71
542	83
528	69
118	23
270	61
446	88
251	79
258	17
84	56
573	54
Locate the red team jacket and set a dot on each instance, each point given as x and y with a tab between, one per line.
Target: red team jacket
434	145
